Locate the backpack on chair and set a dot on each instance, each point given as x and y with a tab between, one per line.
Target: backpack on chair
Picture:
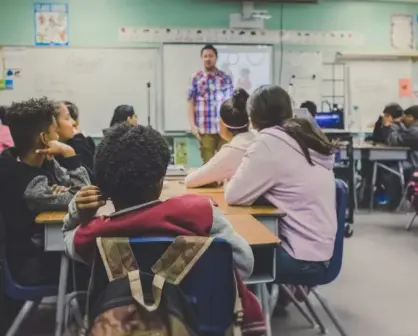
136	303
412	191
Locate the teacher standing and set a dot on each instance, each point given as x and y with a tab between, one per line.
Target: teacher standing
210	88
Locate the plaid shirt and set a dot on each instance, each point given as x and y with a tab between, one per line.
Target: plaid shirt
209	91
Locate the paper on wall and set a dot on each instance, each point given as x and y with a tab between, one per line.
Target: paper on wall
405	87
402	32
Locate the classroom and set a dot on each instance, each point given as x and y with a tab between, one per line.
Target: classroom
217	167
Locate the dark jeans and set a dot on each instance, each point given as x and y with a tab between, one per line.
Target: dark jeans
292	271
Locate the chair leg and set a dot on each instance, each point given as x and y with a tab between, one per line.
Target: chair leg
408	227
274	296
312	311
298	305
330	313
24	313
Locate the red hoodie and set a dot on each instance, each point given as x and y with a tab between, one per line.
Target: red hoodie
183	215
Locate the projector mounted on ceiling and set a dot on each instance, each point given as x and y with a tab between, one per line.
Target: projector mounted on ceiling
249	18
249	12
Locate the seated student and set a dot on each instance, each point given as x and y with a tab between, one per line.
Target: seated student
131	163
123	114
75	115
403	131
312	109
310	106
31	181
6	140
390	112
386	183
290	164
234	128
70	135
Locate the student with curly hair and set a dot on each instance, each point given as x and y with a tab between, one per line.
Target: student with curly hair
131	163
233	128
31	181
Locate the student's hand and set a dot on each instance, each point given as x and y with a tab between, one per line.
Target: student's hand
387	120
195	132
398	120
57	189
89	198
57	148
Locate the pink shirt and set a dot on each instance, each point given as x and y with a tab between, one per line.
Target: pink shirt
275	167
6	140
224	164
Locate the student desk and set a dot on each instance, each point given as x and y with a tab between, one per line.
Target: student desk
379	154
262	241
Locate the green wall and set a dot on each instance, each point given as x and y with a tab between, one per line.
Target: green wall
96	22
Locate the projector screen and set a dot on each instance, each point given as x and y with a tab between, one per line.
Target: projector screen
248	65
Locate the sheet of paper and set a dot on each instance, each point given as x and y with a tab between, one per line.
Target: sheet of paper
405	87
51	24
402	32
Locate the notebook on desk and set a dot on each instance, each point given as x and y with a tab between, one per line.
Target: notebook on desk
176	170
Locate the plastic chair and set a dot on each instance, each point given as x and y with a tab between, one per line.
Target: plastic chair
31	295
209	286
334	267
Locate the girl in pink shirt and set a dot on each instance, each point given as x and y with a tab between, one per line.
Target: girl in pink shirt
234	128
290	164
6	140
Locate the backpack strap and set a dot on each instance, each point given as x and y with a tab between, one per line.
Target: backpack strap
180	257
238	311
138	294
117	256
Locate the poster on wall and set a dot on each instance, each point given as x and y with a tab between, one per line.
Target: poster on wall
51	24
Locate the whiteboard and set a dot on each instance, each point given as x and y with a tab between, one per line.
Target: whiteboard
371	86
96	80
300	73
182	61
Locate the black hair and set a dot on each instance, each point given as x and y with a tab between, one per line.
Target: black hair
270	106
233	112
73	109
131	161
394	110
28	119
209	47
310	106
412	111
3	111
121	114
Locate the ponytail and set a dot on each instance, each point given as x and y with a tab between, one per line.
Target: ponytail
308	137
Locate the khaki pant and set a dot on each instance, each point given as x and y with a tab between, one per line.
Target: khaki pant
209	145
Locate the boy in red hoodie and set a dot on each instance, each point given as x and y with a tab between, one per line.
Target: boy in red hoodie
130	166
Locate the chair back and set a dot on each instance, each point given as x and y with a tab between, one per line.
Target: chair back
335	264
209	286
23	293
9	286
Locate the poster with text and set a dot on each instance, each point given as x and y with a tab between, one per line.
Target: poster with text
51	24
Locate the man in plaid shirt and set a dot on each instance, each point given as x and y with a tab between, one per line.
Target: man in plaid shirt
210	88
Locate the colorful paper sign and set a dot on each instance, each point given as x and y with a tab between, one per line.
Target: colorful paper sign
51	24
405	87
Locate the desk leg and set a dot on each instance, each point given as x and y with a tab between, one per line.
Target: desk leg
372	190
401	176
62	290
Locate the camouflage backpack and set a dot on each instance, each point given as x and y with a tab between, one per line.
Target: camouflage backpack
123	309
